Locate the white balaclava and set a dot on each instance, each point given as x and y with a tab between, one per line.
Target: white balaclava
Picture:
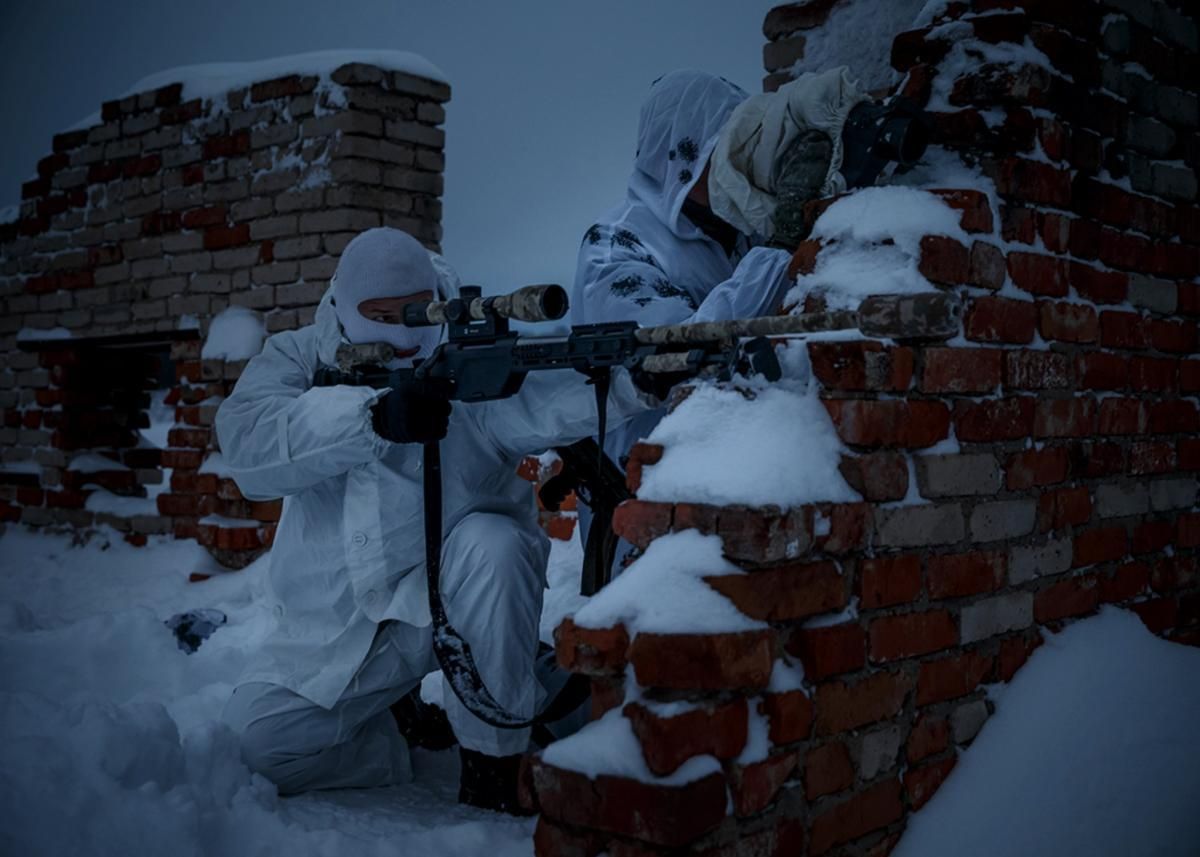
384	263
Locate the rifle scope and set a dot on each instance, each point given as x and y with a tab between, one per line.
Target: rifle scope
875	134
529	303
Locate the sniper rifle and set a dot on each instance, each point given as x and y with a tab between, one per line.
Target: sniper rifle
483	359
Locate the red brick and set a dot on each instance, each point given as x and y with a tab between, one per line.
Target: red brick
668	742
1189	294
1037	370
1014	652
959	575
753	786
1149	458
1055	229
1157	614
1153	374
144	166
849	529
994	419
1188	530
227	146
944	260
1107	544
1176	337
1124	250
592	651
702	661
827	770
66	499
1174	416
1189	376
961	370
1189	454
974	205
887	581
868	810
1122	330
841	707
910	634
1067	322
1064	418
929	735
1151	536
1036	467
188	459
282	87
1032	181
1038	273
1099	459
861	366
878	476
785	593
790	715
890	423
1127	581
607	693
804	260
670	816
1102	370
640	522
761	535
952	677
1122	416
641	455
221	237
991	319
921	783
829	650
1018	223
1170	573
987	268
1102	287
1076	596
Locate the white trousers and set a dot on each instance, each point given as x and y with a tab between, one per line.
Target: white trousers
493	575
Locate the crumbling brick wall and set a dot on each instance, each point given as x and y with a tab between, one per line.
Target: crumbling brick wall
142	227
1068	440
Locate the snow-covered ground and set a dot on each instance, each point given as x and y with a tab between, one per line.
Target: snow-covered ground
111	743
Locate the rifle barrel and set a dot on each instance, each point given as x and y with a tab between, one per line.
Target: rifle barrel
927	315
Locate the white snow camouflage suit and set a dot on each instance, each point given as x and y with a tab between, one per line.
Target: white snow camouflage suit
349	555
645	261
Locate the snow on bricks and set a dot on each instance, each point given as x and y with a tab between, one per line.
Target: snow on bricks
233	189
984	489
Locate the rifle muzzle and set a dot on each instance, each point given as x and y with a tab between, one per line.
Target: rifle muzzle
530	303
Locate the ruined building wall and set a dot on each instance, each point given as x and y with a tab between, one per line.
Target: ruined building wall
145	225
1039	464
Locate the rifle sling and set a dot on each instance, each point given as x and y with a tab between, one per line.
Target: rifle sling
452	651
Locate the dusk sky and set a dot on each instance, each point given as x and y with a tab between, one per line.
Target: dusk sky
540	130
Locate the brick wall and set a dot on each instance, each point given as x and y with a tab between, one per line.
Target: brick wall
1067	432
142	227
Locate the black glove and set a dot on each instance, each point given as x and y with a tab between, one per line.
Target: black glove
413	412
657	384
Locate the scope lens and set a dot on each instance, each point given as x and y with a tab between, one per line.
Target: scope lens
554	302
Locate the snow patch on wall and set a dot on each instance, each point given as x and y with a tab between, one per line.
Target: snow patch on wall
236	333
608	747
859	34
664	592
873	245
